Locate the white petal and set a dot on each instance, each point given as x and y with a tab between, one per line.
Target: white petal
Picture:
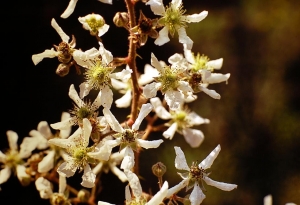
151	89
104	152
156	63
106	2
69	9
197	195
174	99
64	143
149	144
28	145
195	17
184	39
65	124
5	174
82	58
67	169
62	184
107	57
127	194
134	183
88	177
184	87
87	129
160	195
74	96
47	163
21	173
44	129
104	203
128	161
160	109
195	119
162	36
216	64
85	89
156	6
189	56
121	175
65	133
106	97
44	187
36	58
193	137
268	200
221	185
177	188
112	121
119	85
125	100
145	110
170	132
64	37
217	78
180	161
125	73
40	140
211	93
148	76
12	138
2	157
209	160
102	30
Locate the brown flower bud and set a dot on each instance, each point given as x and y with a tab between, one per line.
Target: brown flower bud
159	169
121	19
62	69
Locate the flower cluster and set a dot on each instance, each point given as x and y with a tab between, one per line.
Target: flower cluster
102	143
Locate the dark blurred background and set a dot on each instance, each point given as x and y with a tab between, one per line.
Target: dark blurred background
256	122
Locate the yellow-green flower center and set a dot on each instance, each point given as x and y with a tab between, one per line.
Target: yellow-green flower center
59	199
173	18
95	24
98	75
200	63
169	79
13	159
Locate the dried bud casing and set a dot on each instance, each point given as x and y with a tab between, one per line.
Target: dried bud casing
62	70
121	19
159	169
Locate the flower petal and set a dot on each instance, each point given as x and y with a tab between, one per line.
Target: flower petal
12	138
74	96
156	6
209	160
44	187
159	109
134	183
177	188
184	39
156	63
106	2
102	30
107	57
62	184
5	174
162	36
67	169
144	111
85	89
195	119
180	161
149	144
40	140
216	64
106	96
128	160
268	200
70	9
112	121
196	196
47	163
170	132
28	145
193	137
221	185
125	100
36	58
195	17
65	124
121	175
217	78
150	90
44	129
160	195
174	99
64	37
88	177
211	93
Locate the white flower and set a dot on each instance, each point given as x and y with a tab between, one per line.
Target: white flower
95	24
135	195
128	138
81	110
180	121
72	4
98	73
46	192
12	160
195	176
111	165
77	148
170	83
268	200
201	72
173	19
65	45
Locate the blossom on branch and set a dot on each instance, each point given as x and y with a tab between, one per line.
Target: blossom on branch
95	24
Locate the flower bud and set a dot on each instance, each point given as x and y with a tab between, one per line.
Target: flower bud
62	69
121	19
159	169
83	195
